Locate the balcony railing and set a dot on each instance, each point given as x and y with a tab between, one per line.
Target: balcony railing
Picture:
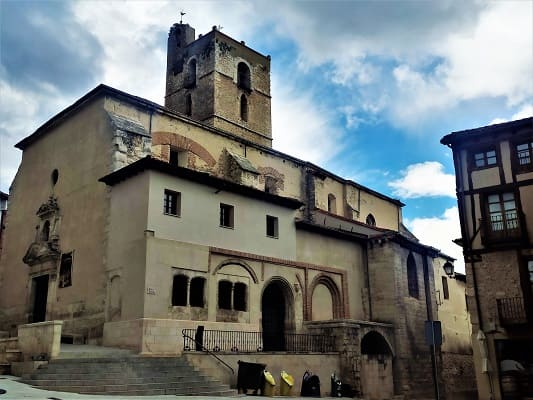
496	230
251	342
512	311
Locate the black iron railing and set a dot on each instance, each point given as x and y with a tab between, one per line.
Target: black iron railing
512	311
251	342
199	346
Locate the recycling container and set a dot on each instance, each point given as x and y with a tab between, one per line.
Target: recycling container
270	384
286	384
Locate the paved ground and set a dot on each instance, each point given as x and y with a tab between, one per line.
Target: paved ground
15	390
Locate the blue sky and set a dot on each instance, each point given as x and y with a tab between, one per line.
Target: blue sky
365	89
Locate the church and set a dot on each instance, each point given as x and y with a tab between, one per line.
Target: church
135	224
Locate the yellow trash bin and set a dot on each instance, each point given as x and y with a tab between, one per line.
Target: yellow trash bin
287	382
270	384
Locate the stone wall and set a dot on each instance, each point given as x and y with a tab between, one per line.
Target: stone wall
40	340
320	364
150	336
459	376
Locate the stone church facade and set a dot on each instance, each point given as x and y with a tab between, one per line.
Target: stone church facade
130	221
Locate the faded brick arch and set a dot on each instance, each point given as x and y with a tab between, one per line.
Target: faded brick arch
269	171
336	298
235	261
183	143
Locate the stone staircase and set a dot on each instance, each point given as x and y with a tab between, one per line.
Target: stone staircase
126	375
9	353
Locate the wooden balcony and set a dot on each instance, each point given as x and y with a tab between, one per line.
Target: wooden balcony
512	311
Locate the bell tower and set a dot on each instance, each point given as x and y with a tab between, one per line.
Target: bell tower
219	82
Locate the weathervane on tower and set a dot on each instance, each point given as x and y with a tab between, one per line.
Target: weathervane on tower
181	16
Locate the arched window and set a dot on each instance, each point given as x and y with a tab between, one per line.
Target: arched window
179	290
196	296
45	233
224	295
239	296
412	276
190	81
243	77
188	105
244	108
332	204
370	220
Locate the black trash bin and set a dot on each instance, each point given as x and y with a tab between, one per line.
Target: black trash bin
310	385
251	377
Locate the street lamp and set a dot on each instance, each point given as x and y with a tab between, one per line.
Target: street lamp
448	268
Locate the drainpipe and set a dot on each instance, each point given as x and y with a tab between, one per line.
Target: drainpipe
429	312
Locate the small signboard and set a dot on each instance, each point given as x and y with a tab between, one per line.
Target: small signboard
433	331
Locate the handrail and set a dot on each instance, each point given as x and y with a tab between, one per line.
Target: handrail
207	350
251	342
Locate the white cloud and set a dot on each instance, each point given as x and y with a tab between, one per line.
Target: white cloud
21	113
524	112
429	56
495	59
300	127
426	179
439	233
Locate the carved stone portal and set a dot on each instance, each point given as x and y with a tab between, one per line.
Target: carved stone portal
45	246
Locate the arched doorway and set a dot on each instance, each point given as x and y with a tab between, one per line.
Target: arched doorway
376	367
277	315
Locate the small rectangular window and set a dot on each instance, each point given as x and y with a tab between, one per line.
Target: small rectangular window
445	291
485	159
272	226
65	270
524	151
172	203
226	215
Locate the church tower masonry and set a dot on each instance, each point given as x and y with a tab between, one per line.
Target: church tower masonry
220	82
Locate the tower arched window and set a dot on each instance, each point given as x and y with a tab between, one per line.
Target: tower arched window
332	204
244	108
243	77
412	276
370	220
188	105
190	80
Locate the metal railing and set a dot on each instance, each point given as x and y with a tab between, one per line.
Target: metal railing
512	311
192	340
252	342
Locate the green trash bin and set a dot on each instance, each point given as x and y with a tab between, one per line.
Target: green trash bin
270	385
286	384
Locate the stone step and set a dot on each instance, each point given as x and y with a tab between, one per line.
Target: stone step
181	370
126	376
141	389
45	381
148	376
